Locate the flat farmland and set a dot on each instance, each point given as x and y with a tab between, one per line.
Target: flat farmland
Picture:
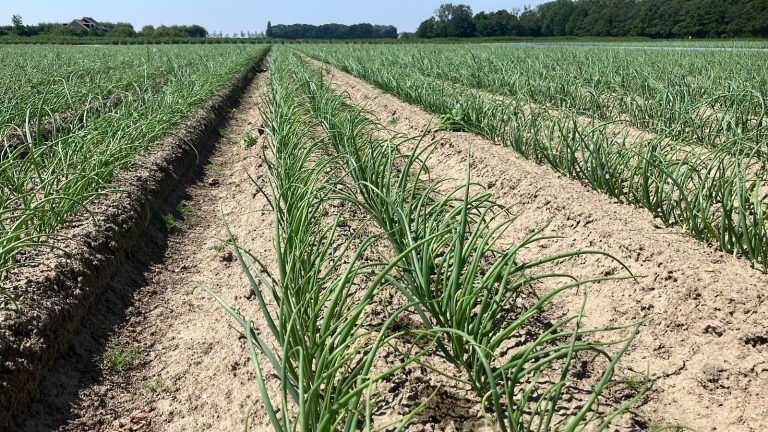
384	237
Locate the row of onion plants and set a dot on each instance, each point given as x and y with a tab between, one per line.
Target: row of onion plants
45	80
315	302
48	178
715	99
718	197
465	280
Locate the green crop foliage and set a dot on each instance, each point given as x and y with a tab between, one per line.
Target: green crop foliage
680	134
711	98
322	350
47	177
469	290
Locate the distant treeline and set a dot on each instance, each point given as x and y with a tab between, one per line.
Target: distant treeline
115	30
649	18
331	31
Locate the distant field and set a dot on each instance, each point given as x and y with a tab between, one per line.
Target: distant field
697	44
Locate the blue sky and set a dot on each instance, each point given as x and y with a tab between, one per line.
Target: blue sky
231	16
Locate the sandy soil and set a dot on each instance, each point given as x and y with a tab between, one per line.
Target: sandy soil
706	347
193	372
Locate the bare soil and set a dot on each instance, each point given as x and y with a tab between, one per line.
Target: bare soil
706	345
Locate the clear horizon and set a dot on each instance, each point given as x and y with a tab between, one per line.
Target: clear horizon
234	16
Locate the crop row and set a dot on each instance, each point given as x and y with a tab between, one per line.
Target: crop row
711	98
718	196
46	179
41	81
446	253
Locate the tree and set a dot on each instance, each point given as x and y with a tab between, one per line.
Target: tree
18	25
269	29
65	30
454	21
194	30
147	30
450	20
361	31
168	32
500	23
331	31
653	18
122	29
426	29
555	16
530	22
385	32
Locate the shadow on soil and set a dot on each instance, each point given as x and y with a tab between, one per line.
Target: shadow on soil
79	369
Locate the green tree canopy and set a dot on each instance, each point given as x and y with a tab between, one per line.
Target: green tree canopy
331	31
454	21
651	18
18	24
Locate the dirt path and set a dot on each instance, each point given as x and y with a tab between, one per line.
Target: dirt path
191	371
707	345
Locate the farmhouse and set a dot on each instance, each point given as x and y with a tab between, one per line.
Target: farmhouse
87	23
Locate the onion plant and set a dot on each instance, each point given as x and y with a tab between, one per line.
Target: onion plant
316	301
47	178
712	98
62	79
466	285
717	192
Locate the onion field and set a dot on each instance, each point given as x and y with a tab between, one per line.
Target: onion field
681	134
117	101
385	237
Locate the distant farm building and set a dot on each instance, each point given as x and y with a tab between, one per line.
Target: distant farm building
87	24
